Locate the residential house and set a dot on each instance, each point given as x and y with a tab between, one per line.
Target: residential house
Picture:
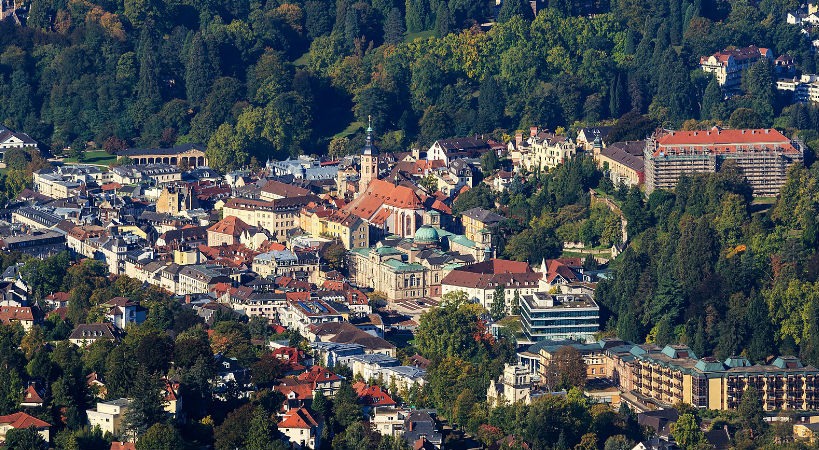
448	150
542	150
122	312
86	334
622	162
22	421
301	429
586	137
479	225
32	398
514	385
227	231
109	416
300	314
23	315
421	425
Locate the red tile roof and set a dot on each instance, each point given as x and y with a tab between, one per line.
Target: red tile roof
723	141
318	374
123	446
15	314
32	396
296	391
230	225
298	418
372	395
20	420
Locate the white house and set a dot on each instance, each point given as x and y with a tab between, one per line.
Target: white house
108	415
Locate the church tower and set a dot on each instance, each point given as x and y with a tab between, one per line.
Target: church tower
369	161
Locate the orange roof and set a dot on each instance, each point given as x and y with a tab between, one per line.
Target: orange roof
380	193
123	446
723	141
20	420
298	418
231	225
300	391
111	186
318	374
15	314
372	395
58	296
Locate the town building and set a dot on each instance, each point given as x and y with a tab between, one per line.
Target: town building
480	280
674	374
763	156
622	162
304	168
279	217
728	65
349	229
479	225
183	155
22	421
542	150
411	268
514	385
559	316
302	265
175	199
109	416
157	174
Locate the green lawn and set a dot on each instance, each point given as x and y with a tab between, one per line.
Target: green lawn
301	61
99	157
419	35
350	130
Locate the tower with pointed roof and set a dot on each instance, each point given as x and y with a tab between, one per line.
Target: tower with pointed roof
369	160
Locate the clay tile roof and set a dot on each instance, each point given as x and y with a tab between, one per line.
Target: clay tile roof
15	313
372	395
31	395
123	446
298	418
724	141
21	420
300	391
230	225
318	374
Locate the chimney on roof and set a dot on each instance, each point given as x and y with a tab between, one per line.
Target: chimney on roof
532	131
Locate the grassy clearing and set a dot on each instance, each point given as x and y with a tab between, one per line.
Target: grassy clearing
99	157
419	35
350	130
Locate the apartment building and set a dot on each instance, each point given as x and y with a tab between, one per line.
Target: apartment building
675	374
763	155
728	65
542	150
622	162
349	229
277	216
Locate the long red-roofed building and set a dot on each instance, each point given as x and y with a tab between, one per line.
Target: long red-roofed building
763	155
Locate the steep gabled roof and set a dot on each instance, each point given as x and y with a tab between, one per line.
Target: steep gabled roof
298	418
230	225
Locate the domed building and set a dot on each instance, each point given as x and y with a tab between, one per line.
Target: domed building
426	236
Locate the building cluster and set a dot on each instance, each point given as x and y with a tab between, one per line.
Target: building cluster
763	156
347	251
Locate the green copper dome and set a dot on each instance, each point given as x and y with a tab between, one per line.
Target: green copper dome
426	235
